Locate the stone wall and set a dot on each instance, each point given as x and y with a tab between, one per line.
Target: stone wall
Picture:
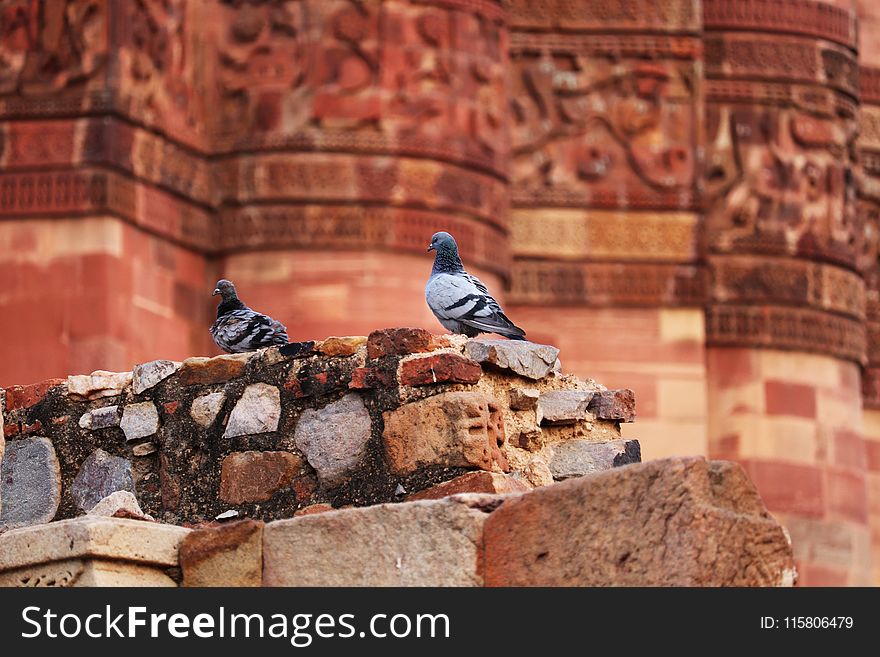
652	524
347	421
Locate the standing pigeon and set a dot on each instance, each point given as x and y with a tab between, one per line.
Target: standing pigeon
238	328
460	301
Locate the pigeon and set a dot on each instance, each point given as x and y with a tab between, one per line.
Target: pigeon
460	301
238	328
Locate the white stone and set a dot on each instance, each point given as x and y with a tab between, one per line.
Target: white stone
121	500
99	383
226	515
139	420
147	375
258	411
204	409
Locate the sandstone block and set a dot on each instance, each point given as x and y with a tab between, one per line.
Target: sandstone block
454	429
345	346
533	361
619	405
439	368
147	375
669	522
90	551
100	475
334	438
563	406
256	476
258	411
576	458
429	543
523	399
229	555
204	409
139	420
30	483
219	369
472	482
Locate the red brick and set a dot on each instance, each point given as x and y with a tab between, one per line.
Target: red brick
11	429
872	455
784	398
847	495
27	396
311	509
849	449
787	487
171	407
304	486
371	377
440	368
36	427
472	482
813	575
399	342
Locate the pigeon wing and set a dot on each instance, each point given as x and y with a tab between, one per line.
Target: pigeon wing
464	298
246	330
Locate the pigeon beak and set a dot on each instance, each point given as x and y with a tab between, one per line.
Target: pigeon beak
430	248
215	292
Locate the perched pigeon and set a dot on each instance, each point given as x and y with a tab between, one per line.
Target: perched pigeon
460	301
238	328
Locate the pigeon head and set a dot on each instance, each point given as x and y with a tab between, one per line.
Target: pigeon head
443	242
225	289
445	250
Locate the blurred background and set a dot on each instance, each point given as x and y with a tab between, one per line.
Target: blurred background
682	195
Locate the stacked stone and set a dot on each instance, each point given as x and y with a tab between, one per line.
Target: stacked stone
352	421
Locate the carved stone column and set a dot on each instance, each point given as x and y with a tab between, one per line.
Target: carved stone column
786	318
605	227
346	133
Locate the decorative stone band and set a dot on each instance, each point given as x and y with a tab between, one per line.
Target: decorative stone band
803	17
673	46
777	327
675	16
607	284
774	57
764	92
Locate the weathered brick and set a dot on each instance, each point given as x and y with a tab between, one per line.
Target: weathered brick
344	346
439	368
28	395
212	370
399	342
371	377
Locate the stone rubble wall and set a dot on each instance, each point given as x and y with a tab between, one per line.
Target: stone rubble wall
350	421
649	524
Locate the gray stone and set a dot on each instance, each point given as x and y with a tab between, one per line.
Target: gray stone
617	405
121	502
100	418
534	361
575	458
523	399
430	543
563	406
144	449
204	409
139	420
258	411
30	481
100	475
334	438
147	375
